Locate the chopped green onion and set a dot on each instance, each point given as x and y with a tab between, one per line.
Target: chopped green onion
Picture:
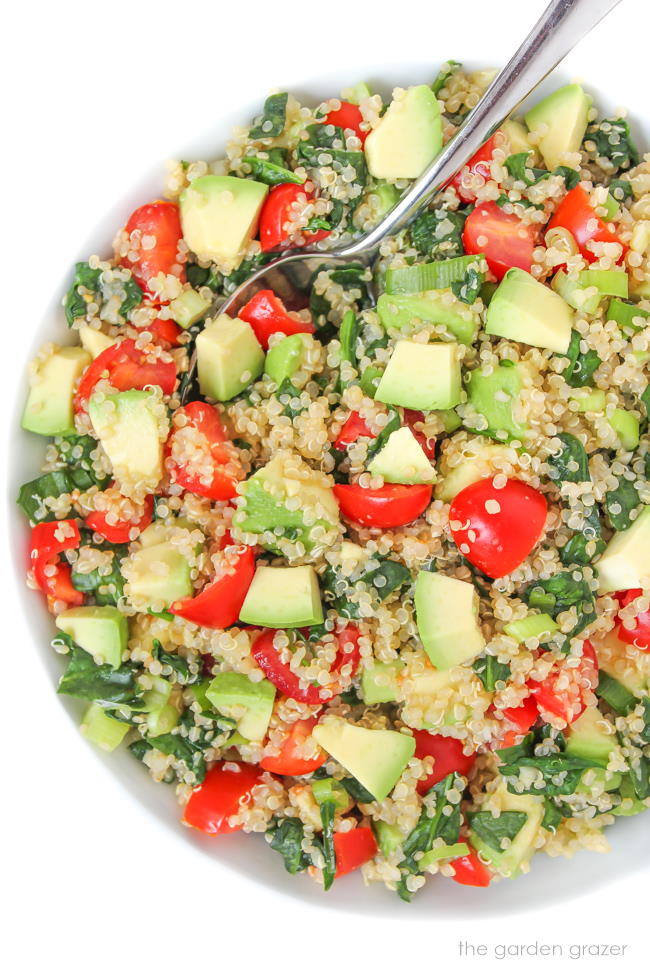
428	277
627	315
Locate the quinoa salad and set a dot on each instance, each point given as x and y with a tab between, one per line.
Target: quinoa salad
373	579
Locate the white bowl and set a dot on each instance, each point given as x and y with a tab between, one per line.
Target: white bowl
549	880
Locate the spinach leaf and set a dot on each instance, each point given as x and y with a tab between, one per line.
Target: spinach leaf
326	148
572	463
621	503
179	665
287	393
443	822
613	141
387	578
352	277
468	288
243	272
560	773
182	749
132	297
327	811
517	166
570	176
619	698
76	454
85	277
272	120
286	839
348	334
621	190
494	829
554	813
490	670
101	683
438	233
582	365
587	544
447	69
358	792
107	589
32	494
560	593
203	277
267	172
380	441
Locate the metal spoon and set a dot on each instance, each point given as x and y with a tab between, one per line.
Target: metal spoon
561	26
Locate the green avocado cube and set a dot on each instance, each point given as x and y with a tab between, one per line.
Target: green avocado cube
397	312
591	736
228	357
402	460
564	115
389	837
285	358
379	682
283	596
626	426
49	410
94	341
525	310
249	702
376	758
446	612
625	563
422	377
101	631
103	729
190	307
127	428
220	215
159	573
493	397
407	137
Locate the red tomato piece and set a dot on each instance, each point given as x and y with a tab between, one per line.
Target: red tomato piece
276	213
447	754
638	635
562	693
504	239
213	469
219	603
387	507
523	718
412	418
353	849
576	214
165	332
470	871
161	221
119	532
348	116
353	428
53	576
290	760
288	683
220	796
497	528
126	367
478	165
266	315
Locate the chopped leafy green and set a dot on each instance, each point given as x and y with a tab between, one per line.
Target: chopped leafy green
385	579
325	146
517	166
267	172
32	494
572	463
621	503
446	70
559	774
327	813
570	176
619	698
438	233
180	747
560	593
203	277
381	439
468	289
553	815
490	670
494	829
348	335
108	686
358	792
286	394
443	823
613	141
76	453
587	544
582	365
621	190
178	664
272	120
107	589
132	297
287	836
85	277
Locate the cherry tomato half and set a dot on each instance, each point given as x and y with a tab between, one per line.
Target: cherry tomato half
348	116
387	507
470	871
126	367
447	754
158	221
119	532
288	683
502	237
53	576
276	213
562	693
478	165
497	528
291	760
219	603
353	849
220	796
638	635
213	469
576	214
353	428
266	315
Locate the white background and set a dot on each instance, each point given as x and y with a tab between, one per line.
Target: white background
92	883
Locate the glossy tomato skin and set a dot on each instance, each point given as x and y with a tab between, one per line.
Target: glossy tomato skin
288	683
522	717
165	332
275	215
266	315
639	635
412	418
478	165
219	604
220	796
576	214
562	693
227	471
348	116
447	754
390	506
161	221
497	528
126	367
119	533
502	237
290	761
353	849
353	428
44	551
470	871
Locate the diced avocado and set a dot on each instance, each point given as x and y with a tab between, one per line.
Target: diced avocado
285	358
376	758
330	790
493	397
94	341
450	420
586	401
190	307
228	357
594	780
49	409
525	310
564	117
426	691
379	682
640	239
158	571
283	596
630	805
396	312
407	137
249	702
446	851
220	215
517	136
626	427
103	729
128	430
389	837
480	459
357	93
162	714
446	611
101	631
402	460
535	626
422	377
385	196
625	563
263	505
592	737
510	862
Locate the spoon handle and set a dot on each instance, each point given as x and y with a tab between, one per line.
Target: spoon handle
561	26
